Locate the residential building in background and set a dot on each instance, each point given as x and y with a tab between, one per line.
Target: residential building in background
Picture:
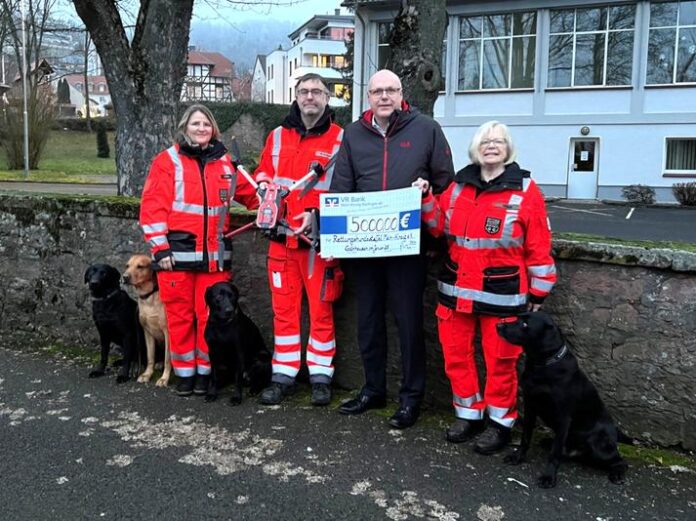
599	94
258	81
209	77
99	96
317	46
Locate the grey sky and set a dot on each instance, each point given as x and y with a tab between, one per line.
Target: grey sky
300	10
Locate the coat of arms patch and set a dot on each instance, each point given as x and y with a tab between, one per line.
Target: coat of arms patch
492	225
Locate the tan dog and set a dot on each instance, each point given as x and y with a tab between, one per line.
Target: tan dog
140	275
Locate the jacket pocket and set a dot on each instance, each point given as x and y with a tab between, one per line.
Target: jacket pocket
332	284
504	280
447	277
182	241
277	276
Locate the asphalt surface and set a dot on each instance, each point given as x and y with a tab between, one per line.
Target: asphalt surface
593	218
655	223
79	448
60	188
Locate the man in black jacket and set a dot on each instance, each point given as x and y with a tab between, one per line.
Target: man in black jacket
390	147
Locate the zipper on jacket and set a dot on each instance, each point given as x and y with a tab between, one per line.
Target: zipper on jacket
384	163
386	153
201	168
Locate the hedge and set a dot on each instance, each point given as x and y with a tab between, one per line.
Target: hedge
226	115
269	115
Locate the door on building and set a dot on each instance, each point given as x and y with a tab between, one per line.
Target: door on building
583	169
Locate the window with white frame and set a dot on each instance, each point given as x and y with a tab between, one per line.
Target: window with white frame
681	155
592	46
383	49
497	51
672	34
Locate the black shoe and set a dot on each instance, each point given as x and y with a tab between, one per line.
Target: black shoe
462	430
362	403
185	386
201	385
404	417
494	438
321	394
274	393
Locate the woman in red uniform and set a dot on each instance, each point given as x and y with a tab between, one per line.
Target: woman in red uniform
494	218
184	214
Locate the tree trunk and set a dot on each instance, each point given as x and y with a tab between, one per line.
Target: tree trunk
145	78
416	45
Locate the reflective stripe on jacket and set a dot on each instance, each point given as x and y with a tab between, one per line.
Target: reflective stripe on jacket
184	209
499	242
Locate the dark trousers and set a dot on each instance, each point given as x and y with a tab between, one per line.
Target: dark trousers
396	282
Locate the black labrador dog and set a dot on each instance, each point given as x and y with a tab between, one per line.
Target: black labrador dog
234	342
116	316
556	390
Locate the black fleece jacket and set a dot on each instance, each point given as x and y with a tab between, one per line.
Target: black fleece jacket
414	146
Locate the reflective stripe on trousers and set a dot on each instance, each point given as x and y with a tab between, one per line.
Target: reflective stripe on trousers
456	331
288	278
183	295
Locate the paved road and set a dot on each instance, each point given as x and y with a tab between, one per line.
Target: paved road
624	222
60	188
617	221
75	448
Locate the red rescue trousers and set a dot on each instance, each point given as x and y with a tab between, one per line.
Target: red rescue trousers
288	277
183	295
457	331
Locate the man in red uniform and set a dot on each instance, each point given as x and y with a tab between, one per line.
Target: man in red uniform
307	139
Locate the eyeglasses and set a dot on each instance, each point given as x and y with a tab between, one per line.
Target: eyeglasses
378	93
314	92
495	142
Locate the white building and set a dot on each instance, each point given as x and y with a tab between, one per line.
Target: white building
598	94
258	79
99	95
318	46
209	77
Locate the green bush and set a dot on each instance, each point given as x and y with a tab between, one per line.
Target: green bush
41	113
270	115
639	194
80	124
685	193
102	140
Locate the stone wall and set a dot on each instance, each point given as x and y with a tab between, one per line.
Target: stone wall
629	313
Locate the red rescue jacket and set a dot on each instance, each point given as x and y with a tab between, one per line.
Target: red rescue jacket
290	152
499	242
184	210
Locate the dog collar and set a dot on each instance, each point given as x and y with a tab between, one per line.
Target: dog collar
559	354
101	299
148	295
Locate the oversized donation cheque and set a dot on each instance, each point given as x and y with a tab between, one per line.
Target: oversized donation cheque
370	224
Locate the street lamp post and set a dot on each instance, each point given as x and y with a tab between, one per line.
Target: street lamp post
24	91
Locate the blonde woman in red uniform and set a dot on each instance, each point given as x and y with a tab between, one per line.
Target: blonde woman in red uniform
499	265
184	213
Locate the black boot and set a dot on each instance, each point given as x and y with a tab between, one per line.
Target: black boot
274	393
185	385
494	439
321	394
201	386
462	430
